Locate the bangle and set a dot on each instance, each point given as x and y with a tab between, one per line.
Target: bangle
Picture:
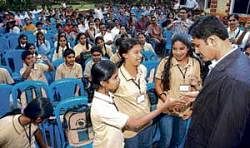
163	94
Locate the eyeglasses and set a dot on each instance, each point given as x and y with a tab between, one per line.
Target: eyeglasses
233	20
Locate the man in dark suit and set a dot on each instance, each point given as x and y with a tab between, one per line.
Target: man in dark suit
221	115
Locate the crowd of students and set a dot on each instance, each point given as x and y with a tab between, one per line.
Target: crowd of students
104	46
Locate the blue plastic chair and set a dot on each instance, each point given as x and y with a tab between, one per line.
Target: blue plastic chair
6	104
13	59
167	35
65	88
151	67
31	37
2	30
64	106
50	75
13	40
57	62
149	56
50	132
4	45
35	87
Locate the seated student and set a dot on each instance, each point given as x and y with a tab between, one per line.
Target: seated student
69	69
61	46
39	28
96	56
29	26
43	45
108	122
106	50
5	77
82	46
144	45
19	130
22	42
32	70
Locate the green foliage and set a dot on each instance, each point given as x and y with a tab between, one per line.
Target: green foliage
16	5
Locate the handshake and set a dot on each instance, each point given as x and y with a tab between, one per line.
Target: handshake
185	110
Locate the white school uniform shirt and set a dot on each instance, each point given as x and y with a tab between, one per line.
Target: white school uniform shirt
107	122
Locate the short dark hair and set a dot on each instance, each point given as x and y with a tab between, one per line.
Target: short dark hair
207	26
183	8
68	52
96	19
25	54
236	16
58	25
39	23
39	107
140	33
95	49
30	44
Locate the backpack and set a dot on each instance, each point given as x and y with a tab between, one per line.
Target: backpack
77	124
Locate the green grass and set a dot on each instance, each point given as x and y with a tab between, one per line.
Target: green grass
82	6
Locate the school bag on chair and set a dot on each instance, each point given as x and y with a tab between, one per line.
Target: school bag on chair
77	126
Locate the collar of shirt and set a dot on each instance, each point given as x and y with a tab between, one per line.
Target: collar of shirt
74	66
18	127
175	62
234	33
104	97
127	75
35	66
214	62
62	49
23	45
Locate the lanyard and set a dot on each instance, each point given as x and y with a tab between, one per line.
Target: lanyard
107	102
28	135
136	84
182	73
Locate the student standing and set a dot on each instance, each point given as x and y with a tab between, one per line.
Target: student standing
108	122
131	97
172	78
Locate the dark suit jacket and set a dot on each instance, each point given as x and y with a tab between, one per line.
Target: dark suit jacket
221	113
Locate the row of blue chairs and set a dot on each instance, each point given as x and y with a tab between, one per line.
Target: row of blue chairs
12	61
56	91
